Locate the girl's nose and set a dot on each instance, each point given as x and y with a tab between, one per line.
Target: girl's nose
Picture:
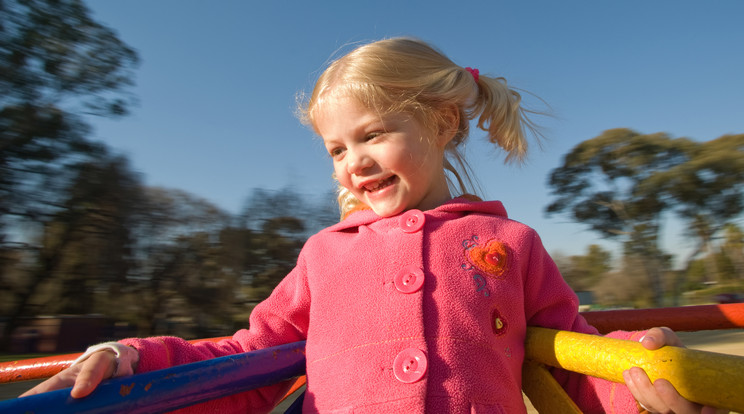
357	162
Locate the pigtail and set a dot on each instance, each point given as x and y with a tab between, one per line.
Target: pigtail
499	112
347	203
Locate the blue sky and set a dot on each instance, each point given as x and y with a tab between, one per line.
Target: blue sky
218	83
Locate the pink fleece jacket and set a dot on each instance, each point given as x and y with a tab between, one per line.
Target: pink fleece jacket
422	312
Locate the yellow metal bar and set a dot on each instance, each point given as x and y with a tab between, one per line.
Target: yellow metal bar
544	392
707	378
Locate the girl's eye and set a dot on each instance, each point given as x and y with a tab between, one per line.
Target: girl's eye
335	152
372	136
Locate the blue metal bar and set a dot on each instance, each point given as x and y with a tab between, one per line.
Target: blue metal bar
175	387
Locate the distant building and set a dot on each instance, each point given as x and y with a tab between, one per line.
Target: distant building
586	300
65	333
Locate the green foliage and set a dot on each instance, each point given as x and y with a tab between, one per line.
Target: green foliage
605	182
696	275
622	183
56	64
52	52
80	233
706	294
583	272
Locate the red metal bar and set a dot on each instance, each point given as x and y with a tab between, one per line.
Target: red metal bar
40	368
37	368
684	318
175	387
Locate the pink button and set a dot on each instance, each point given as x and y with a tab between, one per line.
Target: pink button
412	221
410	365
410	279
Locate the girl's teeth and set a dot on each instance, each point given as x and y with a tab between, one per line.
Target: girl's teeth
380	184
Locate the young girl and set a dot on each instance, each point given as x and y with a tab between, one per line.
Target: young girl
418	300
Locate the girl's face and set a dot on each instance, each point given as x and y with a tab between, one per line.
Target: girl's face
389	162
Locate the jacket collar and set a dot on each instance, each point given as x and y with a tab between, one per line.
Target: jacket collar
461	205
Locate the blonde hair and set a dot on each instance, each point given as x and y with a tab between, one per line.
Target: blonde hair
408	75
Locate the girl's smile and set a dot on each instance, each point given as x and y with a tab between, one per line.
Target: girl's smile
389	162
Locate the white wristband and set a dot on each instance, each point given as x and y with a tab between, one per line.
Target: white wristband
126	357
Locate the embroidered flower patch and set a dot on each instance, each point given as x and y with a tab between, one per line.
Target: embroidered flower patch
491	258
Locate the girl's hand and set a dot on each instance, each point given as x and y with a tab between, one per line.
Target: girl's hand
660	396
83	377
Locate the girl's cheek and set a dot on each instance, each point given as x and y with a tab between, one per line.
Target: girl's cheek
342	177
337	171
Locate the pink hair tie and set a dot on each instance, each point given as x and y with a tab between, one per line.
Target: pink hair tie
474	72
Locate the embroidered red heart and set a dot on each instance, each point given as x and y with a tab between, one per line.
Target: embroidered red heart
490	259
499	322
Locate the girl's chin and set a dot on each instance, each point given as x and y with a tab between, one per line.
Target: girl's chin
387	211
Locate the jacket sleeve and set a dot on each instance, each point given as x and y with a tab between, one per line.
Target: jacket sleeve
551	303
280	319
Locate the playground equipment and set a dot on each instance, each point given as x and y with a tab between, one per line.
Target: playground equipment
705	377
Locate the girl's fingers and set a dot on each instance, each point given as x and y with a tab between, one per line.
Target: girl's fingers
95	369
54	383
673	400
661	396
655	338
713	410
83	377
643	390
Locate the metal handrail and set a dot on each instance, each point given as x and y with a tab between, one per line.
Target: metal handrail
173	388
681	319
708	378
704	377
685	318
45	367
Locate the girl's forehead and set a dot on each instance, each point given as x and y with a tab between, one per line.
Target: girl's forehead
339	100
368	95
334	102
343	111
334	95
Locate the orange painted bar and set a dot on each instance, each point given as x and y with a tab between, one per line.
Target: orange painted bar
299	383
37	368
684	318
40	368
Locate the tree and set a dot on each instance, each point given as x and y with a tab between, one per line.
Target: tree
56	65
200	265
263	205
708	193
583	272
733	248
271	255
273	228
176	236
604	183
83	248
726	257
624	286
101	209
623	183
192	287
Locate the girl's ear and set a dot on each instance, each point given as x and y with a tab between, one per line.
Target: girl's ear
450	125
